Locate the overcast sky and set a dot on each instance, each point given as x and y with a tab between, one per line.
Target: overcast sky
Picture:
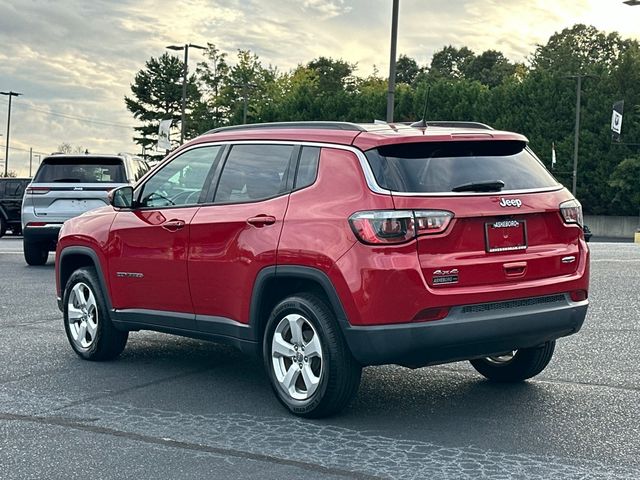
77	58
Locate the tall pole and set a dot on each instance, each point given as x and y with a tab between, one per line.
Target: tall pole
184	94
30	159
183	116
576	140
6	150
392	62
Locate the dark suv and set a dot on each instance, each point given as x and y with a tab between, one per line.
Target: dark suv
11	192
324	247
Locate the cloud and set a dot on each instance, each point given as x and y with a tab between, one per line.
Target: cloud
78	58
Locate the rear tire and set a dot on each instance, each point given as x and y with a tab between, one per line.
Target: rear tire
310	366
87	323
35	253
516	366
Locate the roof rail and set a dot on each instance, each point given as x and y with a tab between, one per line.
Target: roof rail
456	124
353	127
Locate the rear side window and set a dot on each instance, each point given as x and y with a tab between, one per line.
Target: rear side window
81	170
254	172
14	188
307	167
439	167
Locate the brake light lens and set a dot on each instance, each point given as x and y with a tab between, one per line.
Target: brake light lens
572	212
380	227
37	190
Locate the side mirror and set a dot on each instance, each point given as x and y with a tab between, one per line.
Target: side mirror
121	197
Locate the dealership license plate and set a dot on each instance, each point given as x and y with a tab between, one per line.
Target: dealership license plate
505	235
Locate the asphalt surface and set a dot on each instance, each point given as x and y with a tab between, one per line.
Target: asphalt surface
171	407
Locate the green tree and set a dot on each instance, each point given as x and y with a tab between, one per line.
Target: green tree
157	95
580	49
490	68
407	70
624	181
212	75
450	62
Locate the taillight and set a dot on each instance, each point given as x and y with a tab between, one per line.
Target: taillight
397	226
37	190
432	221
572	212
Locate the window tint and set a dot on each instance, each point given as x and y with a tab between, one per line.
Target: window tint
254	172
14	188
442	166
81	170
307	167
181	181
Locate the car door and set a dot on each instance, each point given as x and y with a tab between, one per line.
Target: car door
237	236
149	245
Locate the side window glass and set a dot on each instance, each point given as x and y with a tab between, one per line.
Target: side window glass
13	189
254	172
307	167
181	181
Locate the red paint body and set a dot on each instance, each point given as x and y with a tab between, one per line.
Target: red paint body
209	266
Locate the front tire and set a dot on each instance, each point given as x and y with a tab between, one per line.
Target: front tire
87	323
311	369
516	366
35	253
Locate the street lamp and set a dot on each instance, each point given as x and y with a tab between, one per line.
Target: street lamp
184	47
6	151
392	61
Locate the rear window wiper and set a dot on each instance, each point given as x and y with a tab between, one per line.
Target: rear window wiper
67	180
488	186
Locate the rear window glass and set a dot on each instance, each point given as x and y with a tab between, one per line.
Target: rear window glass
438	167
81	170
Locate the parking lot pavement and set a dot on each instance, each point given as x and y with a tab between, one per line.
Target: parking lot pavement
179	408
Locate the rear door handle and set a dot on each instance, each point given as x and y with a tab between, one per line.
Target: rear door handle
261	220
173	225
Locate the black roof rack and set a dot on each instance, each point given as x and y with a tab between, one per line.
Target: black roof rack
353	127
456	124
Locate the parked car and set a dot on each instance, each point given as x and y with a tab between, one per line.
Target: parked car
11	192
325	247
66	186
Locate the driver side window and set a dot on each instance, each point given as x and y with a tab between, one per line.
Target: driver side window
181	181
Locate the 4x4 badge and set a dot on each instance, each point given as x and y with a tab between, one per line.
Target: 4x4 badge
510	202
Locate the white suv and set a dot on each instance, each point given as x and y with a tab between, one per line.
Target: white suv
66	186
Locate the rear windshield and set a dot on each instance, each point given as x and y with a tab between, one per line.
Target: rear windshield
81	170
438	167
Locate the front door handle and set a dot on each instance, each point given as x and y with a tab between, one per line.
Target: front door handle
261	220
173	225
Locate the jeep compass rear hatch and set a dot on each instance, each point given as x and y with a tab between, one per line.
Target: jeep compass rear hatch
486	212
66	186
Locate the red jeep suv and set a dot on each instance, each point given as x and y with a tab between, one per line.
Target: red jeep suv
323	247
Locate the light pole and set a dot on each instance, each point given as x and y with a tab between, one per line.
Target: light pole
392	62
576	138
184	47
6	151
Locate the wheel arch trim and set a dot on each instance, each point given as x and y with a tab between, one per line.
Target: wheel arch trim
293	272
95	260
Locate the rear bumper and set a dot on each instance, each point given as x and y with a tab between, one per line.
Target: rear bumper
468	332
45	233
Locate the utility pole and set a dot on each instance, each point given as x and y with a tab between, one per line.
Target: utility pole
6	151
392	62
576	138
30	159
183	123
